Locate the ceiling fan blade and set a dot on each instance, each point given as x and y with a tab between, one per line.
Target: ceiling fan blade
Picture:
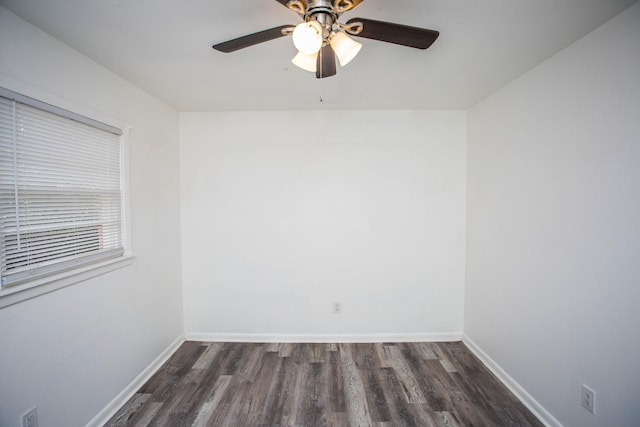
326	63
253	39
420	38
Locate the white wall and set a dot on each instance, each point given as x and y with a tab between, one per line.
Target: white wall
553	242
72	351
282	216
284	213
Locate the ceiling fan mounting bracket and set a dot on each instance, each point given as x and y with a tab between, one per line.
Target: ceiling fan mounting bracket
287	31
353	28
297	6
336	7
343	5
308	9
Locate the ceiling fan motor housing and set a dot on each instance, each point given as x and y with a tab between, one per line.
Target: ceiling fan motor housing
321	11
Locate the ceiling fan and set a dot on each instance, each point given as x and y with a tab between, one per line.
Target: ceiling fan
321	37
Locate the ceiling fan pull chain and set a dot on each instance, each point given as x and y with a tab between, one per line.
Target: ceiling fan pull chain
321	98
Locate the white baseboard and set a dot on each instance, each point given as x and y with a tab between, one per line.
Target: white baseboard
322	338
538	410
110	410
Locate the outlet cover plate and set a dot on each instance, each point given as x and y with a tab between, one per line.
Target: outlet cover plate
30	418
588	399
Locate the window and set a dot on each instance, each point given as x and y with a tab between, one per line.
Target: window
61	203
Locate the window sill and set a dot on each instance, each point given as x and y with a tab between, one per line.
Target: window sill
20	293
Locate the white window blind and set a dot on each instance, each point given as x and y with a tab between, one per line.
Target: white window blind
60	190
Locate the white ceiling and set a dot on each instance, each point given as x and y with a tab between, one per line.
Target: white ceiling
164	47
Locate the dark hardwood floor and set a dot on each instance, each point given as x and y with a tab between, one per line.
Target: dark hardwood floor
401	384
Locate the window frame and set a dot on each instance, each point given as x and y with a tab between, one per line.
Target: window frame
10	295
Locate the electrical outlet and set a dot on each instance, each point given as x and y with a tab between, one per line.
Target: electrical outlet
337	307
588	399
30	419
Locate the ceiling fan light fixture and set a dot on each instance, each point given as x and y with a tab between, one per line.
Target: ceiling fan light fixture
306	62
307	37
321	37
345	47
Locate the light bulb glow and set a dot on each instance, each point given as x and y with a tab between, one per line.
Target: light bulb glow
307	37
306	62
345	48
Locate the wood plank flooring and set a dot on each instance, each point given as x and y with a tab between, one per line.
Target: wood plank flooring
381	385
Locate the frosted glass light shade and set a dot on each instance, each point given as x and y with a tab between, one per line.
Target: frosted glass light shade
307	37
306	62
345	48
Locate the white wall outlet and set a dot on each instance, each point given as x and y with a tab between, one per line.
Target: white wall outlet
588	399
337	307
30	419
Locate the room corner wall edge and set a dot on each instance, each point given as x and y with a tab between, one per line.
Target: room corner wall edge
323	338
538	410
112	408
